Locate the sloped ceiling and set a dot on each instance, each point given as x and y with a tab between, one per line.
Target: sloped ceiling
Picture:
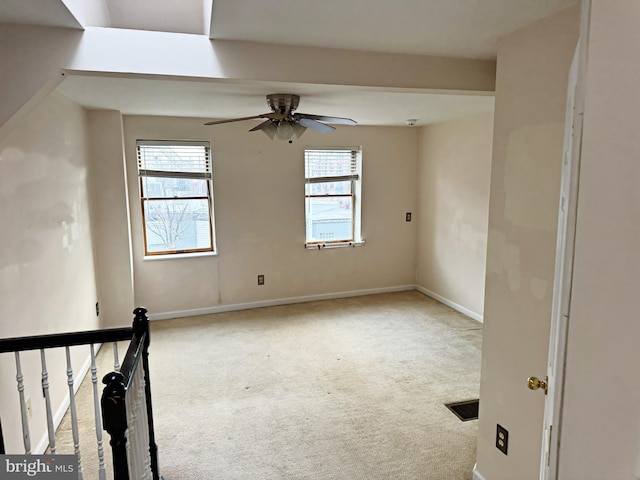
33	12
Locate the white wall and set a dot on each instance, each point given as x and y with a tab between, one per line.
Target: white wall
259	206
110	202
600	436
46	261
531	86
453	206
31	62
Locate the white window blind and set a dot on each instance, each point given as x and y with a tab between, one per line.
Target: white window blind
330	165
174	159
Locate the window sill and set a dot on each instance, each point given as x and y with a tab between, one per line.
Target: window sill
175	256
323	246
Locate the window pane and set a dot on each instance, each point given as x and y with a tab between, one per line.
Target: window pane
174	187
329	219
328	188
177	225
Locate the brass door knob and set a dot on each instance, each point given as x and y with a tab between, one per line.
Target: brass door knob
534	383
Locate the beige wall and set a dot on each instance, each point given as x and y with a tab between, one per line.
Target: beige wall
111	234
600	436
259	206
453	202
31	62
46	261
531	85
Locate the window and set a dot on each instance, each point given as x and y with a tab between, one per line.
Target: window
176	194
332	197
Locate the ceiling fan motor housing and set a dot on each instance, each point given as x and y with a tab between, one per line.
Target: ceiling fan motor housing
284	103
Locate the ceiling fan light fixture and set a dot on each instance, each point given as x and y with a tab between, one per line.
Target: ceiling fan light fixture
284	131
269	130
298	130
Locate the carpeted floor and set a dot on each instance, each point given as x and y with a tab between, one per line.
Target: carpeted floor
347	389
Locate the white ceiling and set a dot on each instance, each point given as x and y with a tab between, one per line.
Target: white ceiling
180	16
460	28
457	28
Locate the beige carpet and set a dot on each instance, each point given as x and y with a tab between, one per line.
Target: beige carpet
343	389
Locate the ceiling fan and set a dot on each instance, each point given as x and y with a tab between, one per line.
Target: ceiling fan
283	123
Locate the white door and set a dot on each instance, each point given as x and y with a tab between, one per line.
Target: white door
564	264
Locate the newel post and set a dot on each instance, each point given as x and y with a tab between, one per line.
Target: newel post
140	327
114	419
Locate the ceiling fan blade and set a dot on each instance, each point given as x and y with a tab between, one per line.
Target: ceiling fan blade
322	118
272	115
262	125
241	119
321	127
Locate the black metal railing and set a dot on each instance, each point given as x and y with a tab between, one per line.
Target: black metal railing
114	397
39	342
115	404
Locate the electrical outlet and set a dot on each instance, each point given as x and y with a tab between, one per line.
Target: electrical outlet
260	279
502	439
407	217
29	410
97	309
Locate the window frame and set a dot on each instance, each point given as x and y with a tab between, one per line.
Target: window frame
355	179
145	199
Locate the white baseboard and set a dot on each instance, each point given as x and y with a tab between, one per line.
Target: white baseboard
476	474
43	444
456	306
278	301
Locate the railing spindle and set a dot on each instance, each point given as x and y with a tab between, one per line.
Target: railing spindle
133	445
116	360
47	403
139	418
144	436
74	415
102	473
23	407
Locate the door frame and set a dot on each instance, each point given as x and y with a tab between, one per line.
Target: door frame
563	274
